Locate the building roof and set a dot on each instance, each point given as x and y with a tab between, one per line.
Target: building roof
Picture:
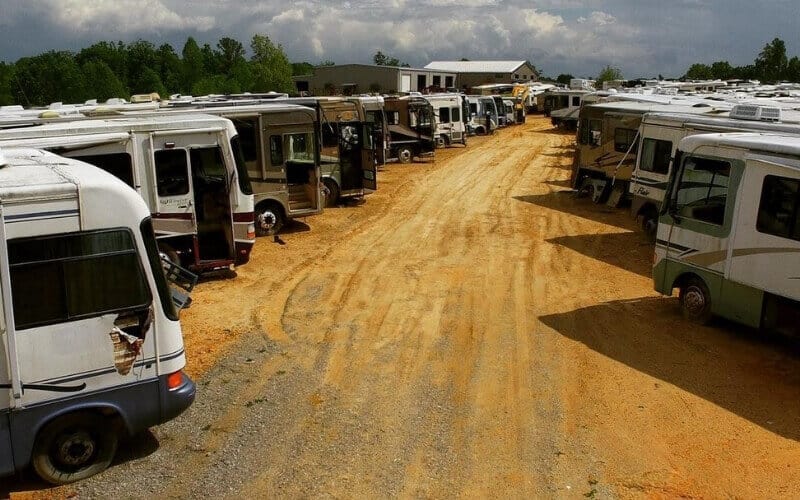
476	66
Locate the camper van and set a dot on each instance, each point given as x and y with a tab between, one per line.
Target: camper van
91	343
411	126
729	230
563	105
188	169
661	132
479	108
450	126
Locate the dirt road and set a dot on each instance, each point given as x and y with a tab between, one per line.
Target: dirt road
471	330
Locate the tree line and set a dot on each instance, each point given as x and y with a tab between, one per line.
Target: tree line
772	65
116	69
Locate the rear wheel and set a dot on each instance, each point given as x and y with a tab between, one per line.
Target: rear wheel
74	447
695	301
404	154
441	141
269	219
332	192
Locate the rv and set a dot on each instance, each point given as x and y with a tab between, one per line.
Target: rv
660	133
563	105
511	117
448	111
188	169
91	342
479	108
411	127
729	231
500	108
373	110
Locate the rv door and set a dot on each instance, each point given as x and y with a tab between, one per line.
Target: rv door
369	161
175	214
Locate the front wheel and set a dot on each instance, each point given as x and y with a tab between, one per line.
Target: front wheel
404	154
269	219
331	192
696	301
74	447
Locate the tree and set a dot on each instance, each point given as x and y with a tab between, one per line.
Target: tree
49	77
381	59
230	53
607	74
171	68
6	84
772	63
114	55
142	60
149	81
698	72
793	70
101	81
564	78
271	68
326	62
721	70
192	65
303	68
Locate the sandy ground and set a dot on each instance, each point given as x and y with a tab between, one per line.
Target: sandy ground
471	330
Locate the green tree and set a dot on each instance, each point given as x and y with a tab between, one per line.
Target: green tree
381	59
303	68
113	54
192	65
699	72
607	74
49	77
230	52
793	69
721	70
143	60
772	63
149	81
6	84
326	62
564	78
101	81
271	68
170	68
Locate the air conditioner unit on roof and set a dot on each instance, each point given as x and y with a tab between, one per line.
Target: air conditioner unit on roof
756	113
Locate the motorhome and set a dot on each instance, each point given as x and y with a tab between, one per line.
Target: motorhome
563	106
188	169
91	345
607	144
411	126
660	133
448	111
511	116
500	108
481	107
349	147
375	114
728	236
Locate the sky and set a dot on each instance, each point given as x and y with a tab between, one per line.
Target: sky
642	38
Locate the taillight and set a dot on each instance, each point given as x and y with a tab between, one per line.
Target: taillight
251	232
174	380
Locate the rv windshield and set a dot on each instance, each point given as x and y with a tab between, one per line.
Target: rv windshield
702	190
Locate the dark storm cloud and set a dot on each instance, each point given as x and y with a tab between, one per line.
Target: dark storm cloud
578	37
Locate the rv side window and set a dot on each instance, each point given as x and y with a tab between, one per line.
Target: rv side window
576	101
54	279
241	166
172	172
455	115
444	115
655	156
703	190
275	150
623	139
393	117
299	147
583	131
119	165
778	208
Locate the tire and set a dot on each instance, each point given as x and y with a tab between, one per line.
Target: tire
404	154
441	142
333	193
695	301
269	219
74	447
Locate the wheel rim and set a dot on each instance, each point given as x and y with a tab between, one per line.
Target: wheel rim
405	155
267	220
75	450
694	301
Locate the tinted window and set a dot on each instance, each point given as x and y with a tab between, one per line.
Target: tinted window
455	115
275	150
623	139
576	101
55	279
172	172
655	156
444	115
703	190
119	165
241	166
777	210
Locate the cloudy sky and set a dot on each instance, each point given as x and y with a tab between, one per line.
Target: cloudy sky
642	38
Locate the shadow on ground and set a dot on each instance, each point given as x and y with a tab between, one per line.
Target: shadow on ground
567	202
750	373
629	251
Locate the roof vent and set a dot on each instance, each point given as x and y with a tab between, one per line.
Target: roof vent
756	113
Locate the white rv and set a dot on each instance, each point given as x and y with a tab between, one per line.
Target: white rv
729	231
479	108
660	133
189	170
90	342
448	112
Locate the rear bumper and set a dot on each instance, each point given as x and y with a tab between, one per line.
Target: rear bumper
175	401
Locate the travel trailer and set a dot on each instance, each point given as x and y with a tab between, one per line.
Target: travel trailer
91	342
411	127
448	110
188	169
729	230
660	133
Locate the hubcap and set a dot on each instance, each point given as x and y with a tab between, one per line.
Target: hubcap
694	300
76	449
267	220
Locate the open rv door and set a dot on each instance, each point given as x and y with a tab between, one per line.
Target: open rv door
369	159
